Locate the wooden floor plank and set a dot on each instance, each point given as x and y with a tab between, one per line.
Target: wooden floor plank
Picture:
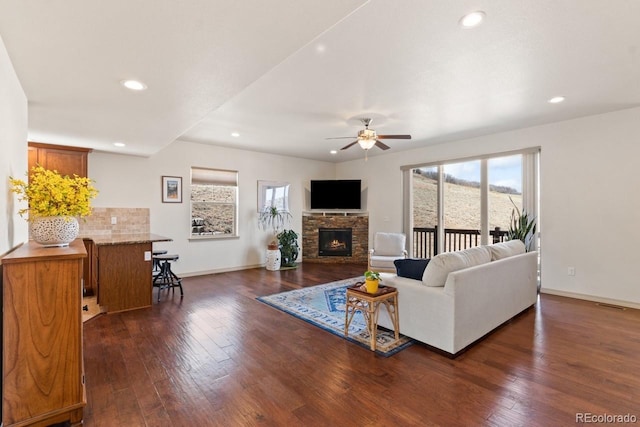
219	357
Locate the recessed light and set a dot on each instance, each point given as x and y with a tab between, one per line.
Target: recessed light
334	151
320	48
119	144
472	19
133	85
556	100
235	134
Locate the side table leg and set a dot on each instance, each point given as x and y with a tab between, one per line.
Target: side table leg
373	323
396	318
347	318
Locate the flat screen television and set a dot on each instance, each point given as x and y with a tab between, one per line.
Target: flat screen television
335	194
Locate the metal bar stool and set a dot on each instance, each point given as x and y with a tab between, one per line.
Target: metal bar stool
156	262
166	278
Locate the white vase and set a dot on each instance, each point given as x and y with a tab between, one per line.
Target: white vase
51	231
273	259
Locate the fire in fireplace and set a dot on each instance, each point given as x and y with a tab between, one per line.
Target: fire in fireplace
334	241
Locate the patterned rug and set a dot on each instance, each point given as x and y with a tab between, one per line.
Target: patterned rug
323	306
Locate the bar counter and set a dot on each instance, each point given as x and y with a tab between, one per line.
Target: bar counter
120	270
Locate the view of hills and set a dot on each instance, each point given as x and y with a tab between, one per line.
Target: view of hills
462	203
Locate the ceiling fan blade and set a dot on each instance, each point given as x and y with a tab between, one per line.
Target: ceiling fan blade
394	136
381	145
341	137
349	145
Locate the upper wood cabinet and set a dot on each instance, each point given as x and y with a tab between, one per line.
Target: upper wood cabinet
66	160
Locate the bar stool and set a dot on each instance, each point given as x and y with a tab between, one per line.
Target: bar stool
156	263
166	278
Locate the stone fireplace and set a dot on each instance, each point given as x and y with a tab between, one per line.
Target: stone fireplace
335	237
334	241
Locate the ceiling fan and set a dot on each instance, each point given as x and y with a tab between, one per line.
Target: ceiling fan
367	138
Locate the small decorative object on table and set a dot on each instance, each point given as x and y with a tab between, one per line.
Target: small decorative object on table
54	203
371	281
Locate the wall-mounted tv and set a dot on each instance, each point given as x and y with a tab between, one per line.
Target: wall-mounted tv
335	194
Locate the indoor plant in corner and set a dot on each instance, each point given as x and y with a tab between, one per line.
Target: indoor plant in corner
54	203
522	227
289	250
271	218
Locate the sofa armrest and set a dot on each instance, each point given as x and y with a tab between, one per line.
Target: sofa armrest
487	295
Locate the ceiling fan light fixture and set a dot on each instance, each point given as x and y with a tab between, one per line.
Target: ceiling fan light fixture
366	144
472	19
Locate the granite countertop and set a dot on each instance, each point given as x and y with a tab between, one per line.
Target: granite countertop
125	239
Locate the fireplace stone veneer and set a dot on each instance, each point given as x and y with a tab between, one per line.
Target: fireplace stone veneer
357	222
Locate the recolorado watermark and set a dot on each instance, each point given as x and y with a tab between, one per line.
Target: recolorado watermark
589	418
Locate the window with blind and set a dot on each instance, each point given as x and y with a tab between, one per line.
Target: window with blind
214	203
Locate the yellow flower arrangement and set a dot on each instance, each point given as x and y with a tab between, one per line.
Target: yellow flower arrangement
51	194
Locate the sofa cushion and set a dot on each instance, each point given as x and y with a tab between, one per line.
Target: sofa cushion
389	244
506	249
411	268
442	264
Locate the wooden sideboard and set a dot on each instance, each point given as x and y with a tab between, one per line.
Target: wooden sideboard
42	368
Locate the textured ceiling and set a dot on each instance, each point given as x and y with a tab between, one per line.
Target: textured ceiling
287	74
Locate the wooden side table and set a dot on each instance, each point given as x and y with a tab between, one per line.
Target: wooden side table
369	305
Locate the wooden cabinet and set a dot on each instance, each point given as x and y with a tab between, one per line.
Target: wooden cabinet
124	276
66	160
42	370
90	269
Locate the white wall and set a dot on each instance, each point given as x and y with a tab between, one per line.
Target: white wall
13	149
590	203
135	182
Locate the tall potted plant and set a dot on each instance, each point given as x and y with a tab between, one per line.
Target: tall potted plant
274	219
288	245
522	226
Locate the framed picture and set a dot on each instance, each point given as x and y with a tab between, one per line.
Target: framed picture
171	189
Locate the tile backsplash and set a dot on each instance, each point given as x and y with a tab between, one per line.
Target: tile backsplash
127	221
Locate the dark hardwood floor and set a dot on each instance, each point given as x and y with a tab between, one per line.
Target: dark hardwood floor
218	357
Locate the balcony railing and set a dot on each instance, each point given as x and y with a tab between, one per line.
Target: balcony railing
425	240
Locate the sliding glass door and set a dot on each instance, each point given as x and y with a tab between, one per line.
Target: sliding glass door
458	205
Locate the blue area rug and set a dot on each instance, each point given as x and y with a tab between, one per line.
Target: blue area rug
324	306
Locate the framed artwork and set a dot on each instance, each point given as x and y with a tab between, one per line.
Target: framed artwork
171	189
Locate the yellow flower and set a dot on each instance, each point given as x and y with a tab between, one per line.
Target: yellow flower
51	194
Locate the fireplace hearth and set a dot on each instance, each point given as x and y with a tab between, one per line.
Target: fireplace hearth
334	242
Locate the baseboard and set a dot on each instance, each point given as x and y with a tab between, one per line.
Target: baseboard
226	270
593	298
220	270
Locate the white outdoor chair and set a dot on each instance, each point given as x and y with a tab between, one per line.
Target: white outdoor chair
387	247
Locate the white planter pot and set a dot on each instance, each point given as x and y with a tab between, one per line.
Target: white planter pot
52	231
273	259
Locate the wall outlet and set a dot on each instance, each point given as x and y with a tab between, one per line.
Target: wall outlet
571	271
114	220
147	255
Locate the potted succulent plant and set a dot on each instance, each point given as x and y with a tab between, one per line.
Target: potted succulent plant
289	250
371	281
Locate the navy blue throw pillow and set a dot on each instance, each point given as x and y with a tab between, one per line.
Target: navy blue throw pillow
411	268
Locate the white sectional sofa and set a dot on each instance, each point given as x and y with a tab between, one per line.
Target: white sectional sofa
464	295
